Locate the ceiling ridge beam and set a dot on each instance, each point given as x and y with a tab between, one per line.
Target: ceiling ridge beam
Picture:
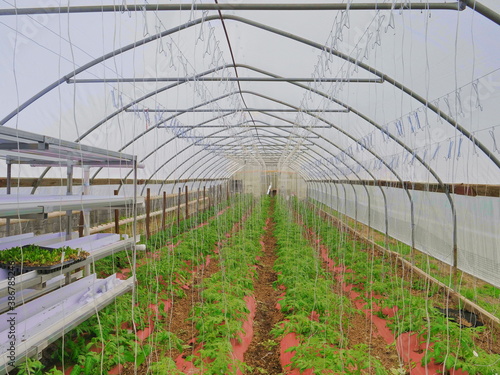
407	5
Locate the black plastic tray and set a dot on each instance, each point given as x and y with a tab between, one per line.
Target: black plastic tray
41	247
16	268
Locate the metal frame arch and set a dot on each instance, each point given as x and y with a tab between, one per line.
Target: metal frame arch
198	161
287	104
273	30
317	145
184	149
322	137
198	167
402	144
215	173
490	156
308	148
307	42
353	189
374	71
162	145
302	127
181	151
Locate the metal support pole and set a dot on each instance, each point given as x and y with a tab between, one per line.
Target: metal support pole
86	191
69	190
412	225
164	215
369	213
148	213
9	185
85	213
218	79
355	207
344	215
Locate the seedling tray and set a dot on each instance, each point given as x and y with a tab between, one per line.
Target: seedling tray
16	268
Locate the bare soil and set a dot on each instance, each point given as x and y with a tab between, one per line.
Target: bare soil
360	329
263	353
180	320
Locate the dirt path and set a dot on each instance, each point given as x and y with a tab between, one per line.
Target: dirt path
263	353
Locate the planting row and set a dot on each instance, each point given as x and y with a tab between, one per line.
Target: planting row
430	332
313	334
224	316
485	295
128	332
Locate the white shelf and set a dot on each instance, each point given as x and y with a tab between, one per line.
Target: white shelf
41	240
22	147
41	322
107	247
16	238
57	308
20	205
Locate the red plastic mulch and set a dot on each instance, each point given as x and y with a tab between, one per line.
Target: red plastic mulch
188	367
290	340
241	346
409	349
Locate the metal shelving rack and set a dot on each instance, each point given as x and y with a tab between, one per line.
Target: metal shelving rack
64	298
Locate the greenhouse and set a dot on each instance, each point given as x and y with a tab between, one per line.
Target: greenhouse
250	187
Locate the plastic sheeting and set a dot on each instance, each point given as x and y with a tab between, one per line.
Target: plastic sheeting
133	81
447	57
477	224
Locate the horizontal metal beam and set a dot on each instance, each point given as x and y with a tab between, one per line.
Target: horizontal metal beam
284	136
267	146
264	147
30	181
187	110
250	126
222	79
260	154
228	6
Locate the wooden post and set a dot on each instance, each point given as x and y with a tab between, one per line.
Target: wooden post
80	225
179	210
117	217
227	190
148	212
187	202
197	201
204	197
164	216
